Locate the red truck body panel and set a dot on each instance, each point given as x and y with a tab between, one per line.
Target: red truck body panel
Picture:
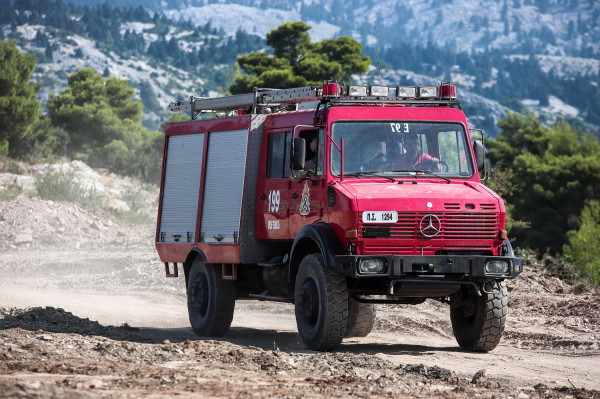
465	197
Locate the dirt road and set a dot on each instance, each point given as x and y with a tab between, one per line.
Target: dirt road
99	319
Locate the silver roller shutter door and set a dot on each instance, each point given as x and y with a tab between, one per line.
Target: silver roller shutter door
223	189
181	188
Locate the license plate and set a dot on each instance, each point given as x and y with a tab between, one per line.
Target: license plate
380	217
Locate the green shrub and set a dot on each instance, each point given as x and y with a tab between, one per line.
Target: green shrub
10	193
140	211
63	187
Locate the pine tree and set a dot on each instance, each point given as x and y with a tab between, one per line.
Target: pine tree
19	107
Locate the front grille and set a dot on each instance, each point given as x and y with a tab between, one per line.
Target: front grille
454	225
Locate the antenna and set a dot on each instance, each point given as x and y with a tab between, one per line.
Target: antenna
378	56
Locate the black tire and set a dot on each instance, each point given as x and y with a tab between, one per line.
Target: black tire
210	299
478	321
321	304
361	318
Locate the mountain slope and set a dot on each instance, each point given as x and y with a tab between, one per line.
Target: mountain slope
162	60
539	55
553	27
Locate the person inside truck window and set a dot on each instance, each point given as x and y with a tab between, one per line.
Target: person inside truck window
413	158
377	156
310	165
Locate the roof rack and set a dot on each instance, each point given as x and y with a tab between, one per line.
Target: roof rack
330	95
251	101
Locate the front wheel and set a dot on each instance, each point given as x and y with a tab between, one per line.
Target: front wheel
478	321
321	304
210	300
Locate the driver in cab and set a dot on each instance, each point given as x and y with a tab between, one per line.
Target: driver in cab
413	159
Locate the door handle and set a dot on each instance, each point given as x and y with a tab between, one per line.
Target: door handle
294	195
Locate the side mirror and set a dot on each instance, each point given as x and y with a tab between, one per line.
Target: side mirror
479	154
298	153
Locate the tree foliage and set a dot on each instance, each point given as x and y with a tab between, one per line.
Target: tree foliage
19	107
549	173
296	61
95	111
583	244
103	122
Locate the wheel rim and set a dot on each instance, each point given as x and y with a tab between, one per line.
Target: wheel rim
200	295
309	303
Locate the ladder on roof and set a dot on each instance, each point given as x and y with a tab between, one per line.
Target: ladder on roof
260	98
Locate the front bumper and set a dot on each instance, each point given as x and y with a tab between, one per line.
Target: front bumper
421	277
471	267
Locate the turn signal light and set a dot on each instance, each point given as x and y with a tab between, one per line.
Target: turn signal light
351	233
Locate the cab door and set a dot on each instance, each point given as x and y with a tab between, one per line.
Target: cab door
273	196
307	188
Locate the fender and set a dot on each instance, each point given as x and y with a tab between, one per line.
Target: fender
187	265
319	235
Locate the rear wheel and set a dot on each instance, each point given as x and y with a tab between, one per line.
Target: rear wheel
478	321
211	300
321	304
361	318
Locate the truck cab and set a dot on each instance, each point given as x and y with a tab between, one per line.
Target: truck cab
343	198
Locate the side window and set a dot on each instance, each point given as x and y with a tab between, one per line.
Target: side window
314	151
452	151
278	155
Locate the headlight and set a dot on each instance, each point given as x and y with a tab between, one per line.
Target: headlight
372	266
497	266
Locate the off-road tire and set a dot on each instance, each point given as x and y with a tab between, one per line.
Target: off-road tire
478	326
321	304
210	300
361	318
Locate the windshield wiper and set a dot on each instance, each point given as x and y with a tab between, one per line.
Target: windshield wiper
425	172
374	174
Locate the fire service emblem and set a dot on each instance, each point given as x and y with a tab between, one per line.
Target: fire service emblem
305	202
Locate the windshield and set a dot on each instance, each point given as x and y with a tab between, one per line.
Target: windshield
397	148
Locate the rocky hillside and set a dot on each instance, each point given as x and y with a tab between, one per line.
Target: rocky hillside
101	215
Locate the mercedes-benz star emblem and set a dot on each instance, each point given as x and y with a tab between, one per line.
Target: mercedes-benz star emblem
430	225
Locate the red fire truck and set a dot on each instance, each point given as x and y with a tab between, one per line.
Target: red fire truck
334	198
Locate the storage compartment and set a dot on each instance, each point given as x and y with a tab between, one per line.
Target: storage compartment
181	188
224	186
